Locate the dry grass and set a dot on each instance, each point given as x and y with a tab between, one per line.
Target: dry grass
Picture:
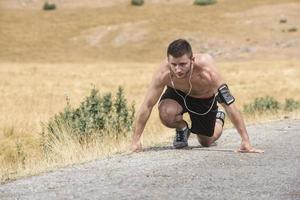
29	101
126	33
46	56
39	91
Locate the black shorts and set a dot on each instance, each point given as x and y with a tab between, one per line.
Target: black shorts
201	124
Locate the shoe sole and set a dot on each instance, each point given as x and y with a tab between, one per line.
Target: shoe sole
180	146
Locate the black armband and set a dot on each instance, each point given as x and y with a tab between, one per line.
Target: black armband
224	95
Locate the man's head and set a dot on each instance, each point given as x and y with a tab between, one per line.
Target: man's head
180	57
178	48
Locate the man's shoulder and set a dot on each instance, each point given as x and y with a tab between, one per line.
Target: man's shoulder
204	62
164	64
162	74
203	58
163	67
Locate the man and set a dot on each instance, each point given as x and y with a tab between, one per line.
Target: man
194	85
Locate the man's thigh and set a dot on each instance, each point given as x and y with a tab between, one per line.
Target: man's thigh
169	107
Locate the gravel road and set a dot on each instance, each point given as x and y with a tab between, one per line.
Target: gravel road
194	173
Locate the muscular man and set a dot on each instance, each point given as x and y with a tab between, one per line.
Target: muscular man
193	85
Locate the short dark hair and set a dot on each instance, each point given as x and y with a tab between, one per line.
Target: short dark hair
179	47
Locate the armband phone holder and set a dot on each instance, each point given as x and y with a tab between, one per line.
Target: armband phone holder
224	95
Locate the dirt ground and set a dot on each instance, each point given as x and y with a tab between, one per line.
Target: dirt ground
193	173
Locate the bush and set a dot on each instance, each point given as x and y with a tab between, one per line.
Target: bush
291	104
49	6
96	116
137	2
204	2
262	104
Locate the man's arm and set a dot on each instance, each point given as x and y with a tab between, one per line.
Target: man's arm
151	98
232	111
237	120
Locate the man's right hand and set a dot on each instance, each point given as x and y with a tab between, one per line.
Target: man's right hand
136	147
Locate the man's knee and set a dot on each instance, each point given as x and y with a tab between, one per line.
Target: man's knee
205	142
168	113
167	116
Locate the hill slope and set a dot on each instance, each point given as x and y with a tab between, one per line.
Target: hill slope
117	31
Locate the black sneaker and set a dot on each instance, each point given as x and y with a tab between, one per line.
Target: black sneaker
181	138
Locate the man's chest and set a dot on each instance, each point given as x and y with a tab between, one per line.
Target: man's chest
195	87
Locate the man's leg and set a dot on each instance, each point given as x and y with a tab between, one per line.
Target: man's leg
207	141
170	113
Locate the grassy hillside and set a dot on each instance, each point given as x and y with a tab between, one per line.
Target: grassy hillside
230	29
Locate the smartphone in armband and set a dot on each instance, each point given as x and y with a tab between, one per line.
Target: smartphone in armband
225	95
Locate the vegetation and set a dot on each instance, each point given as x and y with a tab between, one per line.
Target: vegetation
49	6
137	2
262	104
204	2
97	116
270	104
291	105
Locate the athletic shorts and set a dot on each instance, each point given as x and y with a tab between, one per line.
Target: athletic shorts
201	124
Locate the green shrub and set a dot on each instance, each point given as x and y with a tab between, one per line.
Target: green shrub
96	116
262	104
49	6
291	104
137	2
204	2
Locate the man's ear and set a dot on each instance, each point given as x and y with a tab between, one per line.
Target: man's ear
193	59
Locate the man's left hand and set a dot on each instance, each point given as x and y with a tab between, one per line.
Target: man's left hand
247	148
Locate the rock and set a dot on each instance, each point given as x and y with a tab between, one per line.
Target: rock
248	49
293	29
283	20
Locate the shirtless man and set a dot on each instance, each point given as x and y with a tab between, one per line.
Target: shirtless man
194	85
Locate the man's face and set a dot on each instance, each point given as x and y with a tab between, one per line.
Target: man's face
180	66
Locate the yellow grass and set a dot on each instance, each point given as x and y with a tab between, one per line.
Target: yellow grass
142	33
47	56
38	91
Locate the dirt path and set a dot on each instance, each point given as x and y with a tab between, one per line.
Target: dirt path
195	173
